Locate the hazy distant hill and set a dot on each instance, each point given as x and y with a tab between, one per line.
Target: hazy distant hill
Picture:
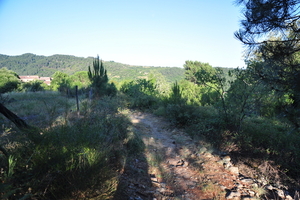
31	64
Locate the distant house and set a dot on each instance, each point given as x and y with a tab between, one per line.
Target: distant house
47	80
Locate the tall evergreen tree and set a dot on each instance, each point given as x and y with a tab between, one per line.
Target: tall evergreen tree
271	32
99	79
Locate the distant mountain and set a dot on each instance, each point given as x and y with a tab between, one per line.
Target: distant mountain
31	64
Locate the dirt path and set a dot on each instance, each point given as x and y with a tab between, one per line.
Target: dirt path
176	167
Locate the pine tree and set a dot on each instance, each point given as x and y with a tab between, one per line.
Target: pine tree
271	31
99	79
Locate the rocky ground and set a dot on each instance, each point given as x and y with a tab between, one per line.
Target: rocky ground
174	166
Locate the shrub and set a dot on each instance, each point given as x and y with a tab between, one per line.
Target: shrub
99	79
79	154
33	86
9	80
141	93
274	140
187	114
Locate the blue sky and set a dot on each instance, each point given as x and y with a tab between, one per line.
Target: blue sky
136	32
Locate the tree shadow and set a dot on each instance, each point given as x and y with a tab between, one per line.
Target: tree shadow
134	181
144	175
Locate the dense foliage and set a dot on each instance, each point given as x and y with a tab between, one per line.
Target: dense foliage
99	79
30	64
252	112
270	30
9	80
78	155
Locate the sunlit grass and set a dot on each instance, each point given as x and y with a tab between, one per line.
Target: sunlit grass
213	189
79	154
11	165
39	108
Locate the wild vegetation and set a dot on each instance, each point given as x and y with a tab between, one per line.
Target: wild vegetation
77	154
252	113
30	64
233	110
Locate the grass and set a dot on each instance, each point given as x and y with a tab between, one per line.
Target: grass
154	158
79	156
82	152
11	166
271	139
39	108
259	191
215	190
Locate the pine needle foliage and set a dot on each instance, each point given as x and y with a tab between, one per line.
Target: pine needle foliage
99	79
98	75
176	96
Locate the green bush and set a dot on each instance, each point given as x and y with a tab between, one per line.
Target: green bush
33	86
77	154
141	94
187	114
207	126
273	139
99	80
9	80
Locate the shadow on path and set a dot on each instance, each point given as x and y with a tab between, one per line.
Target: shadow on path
135	182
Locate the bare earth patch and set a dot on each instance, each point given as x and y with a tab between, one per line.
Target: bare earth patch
179	168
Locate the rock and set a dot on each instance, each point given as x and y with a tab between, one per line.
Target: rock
233	194
220	162
223	187
227	165
263	181
180	163
280	193
234	170
161	190
252	193
154	179
193	156
247	180
208	155
202	150
156	184
185	164
163	185
238	185
297	195
269	187
226	159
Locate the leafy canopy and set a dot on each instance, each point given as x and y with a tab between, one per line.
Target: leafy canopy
9	80
271	32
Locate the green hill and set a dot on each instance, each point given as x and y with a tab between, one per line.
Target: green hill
31	64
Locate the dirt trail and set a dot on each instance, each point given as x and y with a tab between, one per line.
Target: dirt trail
179	168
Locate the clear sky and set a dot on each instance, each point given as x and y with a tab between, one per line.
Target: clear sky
135	32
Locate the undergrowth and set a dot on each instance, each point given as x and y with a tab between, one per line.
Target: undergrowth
80	154
269	139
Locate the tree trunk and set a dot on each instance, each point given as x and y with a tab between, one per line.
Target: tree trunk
31	132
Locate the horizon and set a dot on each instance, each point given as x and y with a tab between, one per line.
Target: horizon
106	61
135	32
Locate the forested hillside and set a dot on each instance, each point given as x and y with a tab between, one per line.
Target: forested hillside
31	64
